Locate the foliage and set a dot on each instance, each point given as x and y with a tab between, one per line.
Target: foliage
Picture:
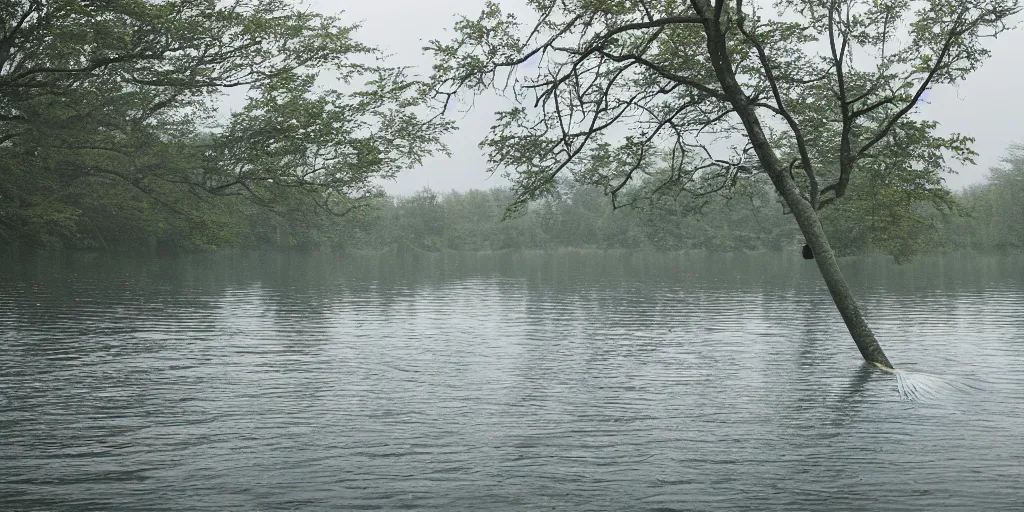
576	217
107	107
108	139
667	96
996	209
116	216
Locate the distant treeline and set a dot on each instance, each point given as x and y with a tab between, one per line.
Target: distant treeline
991	219
579	217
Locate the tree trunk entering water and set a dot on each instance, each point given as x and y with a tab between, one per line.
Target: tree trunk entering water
785	185
828	265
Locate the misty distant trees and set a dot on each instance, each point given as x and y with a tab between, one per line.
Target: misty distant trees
995	208
579	217
987	220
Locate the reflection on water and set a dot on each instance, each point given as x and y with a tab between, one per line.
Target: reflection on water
573	381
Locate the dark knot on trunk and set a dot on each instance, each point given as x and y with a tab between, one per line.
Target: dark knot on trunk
808	253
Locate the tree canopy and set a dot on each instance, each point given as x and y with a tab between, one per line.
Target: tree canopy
107	95
652	96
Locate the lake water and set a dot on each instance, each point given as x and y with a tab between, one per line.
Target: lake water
569	381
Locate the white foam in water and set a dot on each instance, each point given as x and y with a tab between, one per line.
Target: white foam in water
918	386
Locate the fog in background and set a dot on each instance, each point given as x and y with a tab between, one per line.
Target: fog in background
985	106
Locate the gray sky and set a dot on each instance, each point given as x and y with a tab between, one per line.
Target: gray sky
987	106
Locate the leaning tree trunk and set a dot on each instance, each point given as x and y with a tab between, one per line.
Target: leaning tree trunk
807	218
828	265
802	209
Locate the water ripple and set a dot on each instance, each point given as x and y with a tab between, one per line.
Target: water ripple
562	382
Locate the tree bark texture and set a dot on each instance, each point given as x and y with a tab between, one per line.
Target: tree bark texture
843	297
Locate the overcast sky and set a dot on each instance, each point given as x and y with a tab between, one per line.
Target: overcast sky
988	106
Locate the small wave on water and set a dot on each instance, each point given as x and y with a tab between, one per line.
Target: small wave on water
919	386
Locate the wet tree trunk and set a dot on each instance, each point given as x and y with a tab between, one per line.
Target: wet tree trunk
828	265
807	218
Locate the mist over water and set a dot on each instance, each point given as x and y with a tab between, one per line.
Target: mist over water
568	381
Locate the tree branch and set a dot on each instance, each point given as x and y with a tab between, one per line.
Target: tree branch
801	143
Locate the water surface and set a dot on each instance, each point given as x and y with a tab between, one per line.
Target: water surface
569	381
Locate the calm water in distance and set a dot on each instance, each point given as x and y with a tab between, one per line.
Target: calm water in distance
568	381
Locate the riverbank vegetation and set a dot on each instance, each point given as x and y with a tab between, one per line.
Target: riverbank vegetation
987	218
